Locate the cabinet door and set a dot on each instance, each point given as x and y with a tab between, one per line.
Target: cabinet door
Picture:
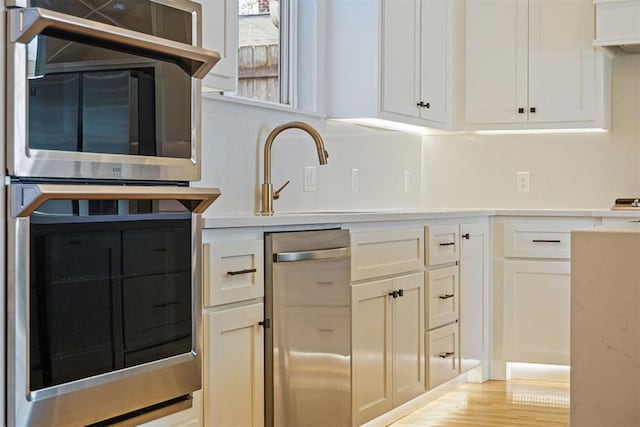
399	57
473	294
561	60
371	350
234	367
220	33
537	311
408	338
435	50
496	61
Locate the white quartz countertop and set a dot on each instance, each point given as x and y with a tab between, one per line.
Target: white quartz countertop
373	215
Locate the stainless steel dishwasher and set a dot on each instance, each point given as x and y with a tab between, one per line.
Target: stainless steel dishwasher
308	338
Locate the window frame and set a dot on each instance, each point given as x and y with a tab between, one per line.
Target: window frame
303	72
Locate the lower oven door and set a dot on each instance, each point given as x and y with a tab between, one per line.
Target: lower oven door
103	300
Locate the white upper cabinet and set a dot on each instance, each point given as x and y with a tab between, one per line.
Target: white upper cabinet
416	59
220	33
397	64
617	24
531	64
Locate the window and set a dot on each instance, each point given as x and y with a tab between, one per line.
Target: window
263	50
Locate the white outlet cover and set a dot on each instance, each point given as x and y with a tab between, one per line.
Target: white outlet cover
407	182
310	178
355	184
522	182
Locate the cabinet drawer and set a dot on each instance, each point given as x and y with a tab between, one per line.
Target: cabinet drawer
442	354
538	240
442	244
233	271
386	253
442	296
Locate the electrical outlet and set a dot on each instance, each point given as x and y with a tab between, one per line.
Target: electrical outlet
522	182
354	180
407	182
310	178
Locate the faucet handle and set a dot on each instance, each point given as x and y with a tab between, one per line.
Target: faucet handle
276	194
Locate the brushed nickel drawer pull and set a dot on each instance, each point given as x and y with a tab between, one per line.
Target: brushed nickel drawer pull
446	354
546	241
245	271
446	296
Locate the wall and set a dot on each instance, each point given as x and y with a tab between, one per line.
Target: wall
232	155
567	170
468	171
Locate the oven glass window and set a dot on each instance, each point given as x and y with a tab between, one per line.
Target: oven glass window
110	287
84	98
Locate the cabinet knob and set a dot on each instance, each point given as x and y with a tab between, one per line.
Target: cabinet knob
266	323
400	292
466	236
420	104
393	294
532	109
427	105
520	110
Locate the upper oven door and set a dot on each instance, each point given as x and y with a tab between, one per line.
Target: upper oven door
105	92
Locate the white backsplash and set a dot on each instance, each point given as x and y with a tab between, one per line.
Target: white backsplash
233	145
462	170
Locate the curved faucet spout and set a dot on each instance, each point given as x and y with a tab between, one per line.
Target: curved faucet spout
267	187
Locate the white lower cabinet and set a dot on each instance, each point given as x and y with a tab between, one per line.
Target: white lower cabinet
537	296
233	381
457	259
387	344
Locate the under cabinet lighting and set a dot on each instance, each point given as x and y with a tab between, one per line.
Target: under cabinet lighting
421	130
537	131
396	126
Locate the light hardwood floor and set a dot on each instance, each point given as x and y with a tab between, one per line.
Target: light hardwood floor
515	403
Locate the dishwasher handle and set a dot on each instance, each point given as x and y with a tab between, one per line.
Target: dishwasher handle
317	255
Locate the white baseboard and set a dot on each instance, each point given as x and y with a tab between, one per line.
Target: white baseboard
413	405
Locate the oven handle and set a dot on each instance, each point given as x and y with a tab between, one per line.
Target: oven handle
26	23
28	197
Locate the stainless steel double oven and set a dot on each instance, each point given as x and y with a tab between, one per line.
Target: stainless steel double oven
104	229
